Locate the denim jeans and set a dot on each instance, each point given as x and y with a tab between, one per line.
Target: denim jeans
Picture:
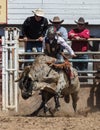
81	65
60	58
30	45
29	48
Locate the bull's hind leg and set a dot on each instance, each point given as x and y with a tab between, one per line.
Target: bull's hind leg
46	96
74	100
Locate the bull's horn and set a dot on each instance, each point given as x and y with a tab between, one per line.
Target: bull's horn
18	79
30	76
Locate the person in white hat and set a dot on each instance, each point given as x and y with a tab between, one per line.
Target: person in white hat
34	27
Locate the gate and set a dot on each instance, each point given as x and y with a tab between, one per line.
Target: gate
10	69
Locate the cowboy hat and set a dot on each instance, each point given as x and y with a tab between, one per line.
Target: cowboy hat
39	12
81	21
56	19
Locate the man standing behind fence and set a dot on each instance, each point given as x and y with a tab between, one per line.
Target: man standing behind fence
62	31
34	27
79	42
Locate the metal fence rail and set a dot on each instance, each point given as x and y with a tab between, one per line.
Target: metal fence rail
22	60
12	63
90	61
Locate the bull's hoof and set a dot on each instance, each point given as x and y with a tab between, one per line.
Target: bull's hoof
67	98
52	111
35	113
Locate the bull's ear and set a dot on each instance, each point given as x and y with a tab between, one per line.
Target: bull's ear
25	71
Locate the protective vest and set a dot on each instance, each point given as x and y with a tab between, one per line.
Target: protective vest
54	48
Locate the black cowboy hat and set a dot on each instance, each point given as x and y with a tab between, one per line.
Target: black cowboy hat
81	21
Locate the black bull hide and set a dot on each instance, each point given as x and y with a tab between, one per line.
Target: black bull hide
42	77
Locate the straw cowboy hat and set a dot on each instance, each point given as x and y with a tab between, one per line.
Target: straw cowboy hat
56	19
39	12
81	21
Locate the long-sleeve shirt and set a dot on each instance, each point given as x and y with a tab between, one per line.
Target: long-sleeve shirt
79	45
34	29
56	44
62	42
63	32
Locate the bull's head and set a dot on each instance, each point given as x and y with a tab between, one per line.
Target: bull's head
25	83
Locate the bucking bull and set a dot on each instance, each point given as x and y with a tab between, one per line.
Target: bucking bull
51	81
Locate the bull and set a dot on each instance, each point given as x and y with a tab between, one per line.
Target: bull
50	82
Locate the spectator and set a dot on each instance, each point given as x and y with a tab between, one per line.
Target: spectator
60	29
34	27
79	42
79	37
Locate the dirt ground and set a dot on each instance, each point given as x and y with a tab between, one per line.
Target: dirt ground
62	120
90	121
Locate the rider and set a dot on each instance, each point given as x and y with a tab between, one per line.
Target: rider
53	47
53	43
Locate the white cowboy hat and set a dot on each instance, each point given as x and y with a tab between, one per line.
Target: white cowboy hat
39	12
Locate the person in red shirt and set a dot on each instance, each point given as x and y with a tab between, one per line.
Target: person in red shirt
78	36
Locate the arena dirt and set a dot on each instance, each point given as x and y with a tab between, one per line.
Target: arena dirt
89	119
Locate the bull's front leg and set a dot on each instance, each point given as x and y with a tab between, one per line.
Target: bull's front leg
46	96
35	113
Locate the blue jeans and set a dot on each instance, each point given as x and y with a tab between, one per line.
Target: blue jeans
60	58
29	48
30	45
81	65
